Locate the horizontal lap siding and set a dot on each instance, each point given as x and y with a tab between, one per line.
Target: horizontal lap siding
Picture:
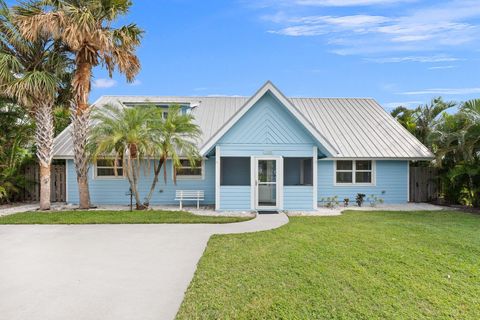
391	177
297	197
285	150
235	197
113	191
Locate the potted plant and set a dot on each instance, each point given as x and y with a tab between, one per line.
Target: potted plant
359	199
346	201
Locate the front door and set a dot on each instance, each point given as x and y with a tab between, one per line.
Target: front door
267	183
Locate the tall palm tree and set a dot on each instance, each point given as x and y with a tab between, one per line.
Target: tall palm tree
174	137
124	135
426	115
85	27
33	72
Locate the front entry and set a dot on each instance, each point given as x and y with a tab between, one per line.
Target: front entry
267	183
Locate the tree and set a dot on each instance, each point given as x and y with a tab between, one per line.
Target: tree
420	121
32	73
17	130
85	27
405	117
174	137
426	116
124	135
456	143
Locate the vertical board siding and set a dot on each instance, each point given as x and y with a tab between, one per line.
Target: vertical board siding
113	190
391	177
424	184
235	197
297	197
31	191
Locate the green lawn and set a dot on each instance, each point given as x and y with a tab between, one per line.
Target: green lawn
98	217
361	265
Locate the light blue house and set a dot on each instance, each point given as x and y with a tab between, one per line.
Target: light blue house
270	152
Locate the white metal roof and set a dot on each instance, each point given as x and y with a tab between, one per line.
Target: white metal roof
353	127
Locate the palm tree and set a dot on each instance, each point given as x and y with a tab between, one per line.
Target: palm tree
85	27
33	73
174	137
405	117
426	115
456	142
124	135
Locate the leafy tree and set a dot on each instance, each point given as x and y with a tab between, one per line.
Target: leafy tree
174	136
405	117
17	130
456	143
123	134
420	121
427	115
33	73
86	28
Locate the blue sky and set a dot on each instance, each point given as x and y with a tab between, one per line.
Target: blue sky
396	51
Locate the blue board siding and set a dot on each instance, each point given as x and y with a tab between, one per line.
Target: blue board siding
235	197
297	197
112	190
391	177
267	122
268	128
289	150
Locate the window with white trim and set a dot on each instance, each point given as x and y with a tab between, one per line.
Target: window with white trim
189	170
105	168
354	172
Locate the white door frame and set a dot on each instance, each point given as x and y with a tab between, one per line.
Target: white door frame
278	183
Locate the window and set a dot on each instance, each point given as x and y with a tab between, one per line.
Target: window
189	170
235	171
164	114
354	172
106	168
297	172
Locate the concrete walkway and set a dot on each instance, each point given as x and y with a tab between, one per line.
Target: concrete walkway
116	272
5	211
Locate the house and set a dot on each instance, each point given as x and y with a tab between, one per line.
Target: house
270	152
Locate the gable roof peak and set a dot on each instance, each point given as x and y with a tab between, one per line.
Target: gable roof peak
268	87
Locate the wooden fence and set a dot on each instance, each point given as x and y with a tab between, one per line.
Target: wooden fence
32	190
423	184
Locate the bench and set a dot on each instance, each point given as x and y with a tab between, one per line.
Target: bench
189	195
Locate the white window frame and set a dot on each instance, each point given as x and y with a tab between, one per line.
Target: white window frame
353	171
96	166
199	177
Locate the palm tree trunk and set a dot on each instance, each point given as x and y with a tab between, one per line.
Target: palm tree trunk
80	121
157	170
44	187
132	179
44	142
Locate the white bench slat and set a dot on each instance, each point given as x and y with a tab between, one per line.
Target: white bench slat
194	195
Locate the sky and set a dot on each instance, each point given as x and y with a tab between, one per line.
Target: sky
399	52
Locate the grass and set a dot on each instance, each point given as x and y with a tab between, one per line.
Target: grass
114	217
361	265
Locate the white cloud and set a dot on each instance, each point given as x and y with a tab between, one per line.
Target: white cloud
418	28
421	59
444	91
441	67
104	83
328	3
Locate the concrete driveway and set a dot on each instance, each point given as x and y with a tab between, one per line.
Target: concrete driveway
104	271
